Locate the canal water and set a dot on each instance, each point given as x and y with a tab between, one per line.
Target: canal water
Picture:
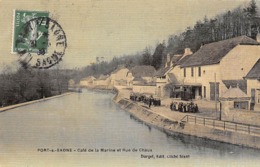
89	129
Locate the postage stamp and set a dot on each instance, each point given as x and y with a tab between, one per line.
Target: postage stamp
39	40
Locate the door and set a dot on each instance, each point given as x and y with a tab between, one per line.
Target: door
212	90
252	103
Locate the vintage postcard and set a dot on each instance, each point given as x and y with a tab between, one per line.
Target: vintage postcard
111	83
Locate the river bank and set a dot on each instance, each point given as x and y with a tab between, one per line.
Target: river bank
173	125
33	101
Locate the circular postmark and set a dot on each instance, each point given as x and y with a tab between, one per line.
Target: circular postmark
41	43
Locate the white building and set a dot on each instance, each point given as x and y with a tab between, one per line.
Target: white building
119	76
103	81
169	73
144	72
216	66
141	79
253	86
87	82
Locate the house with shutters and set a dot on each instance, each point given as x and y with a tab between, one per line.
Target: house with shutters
210	71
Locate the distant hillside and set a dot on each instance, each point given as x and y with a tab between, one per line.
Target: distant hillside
237	22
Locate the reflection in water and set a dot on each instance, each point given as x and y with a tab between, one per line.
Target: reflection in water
91	120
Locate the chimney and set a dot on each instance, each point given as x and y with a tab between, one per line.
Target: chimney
202	43
168	60
258	37
187	51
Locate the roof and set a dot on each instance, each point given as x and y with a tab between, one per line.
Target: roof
138	79
212	53
173	59
254	73
183	60
173	78
242	84
103	77
162	71
143	71
234	93
89	77
118	69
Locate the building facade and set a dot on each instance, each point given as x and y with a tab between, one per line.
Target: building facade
119	76
87	82
253	86
144	73
205	73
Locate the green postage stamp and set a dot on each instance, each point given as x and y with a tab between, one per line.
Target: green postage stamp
39	40
34	40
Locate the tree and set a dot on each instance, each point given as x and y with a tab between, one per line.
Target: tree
233	23
146	57
158	56
251	10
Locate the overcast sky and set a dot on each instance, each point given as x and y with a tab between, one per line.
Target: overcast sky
110	27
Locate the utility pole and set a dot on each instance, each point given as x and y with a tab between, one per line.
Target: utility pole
216	105
220	108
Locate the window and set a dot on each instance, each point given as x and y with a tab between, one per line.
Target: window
184	72
241	105
199	71
192	70
253	95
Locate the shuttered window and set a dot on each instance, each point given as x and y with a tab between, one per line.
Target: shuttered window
199	71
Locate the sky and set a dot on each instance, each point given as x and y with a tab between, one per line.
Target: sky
108	28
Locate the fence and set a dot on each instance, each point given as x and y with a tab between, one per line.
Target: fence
225	125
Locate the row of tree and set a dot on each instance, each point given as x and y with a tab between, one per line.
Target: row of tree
240	21
31	84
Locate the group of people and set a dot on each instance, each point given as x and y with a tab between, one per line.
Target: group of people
184	107
136	97
147	100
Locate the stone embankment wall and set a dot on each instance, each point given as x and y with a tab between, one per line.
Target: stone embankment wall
178	127
32	102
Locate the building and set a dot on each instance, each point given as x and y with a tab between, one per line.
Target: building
118	77
166	75
103	81
71	83
144	72
141	86
141	79
87	82
234	98
253	86
205	73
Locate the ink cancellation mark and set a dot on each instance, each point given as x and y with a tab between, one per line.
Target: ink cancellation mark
39	40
